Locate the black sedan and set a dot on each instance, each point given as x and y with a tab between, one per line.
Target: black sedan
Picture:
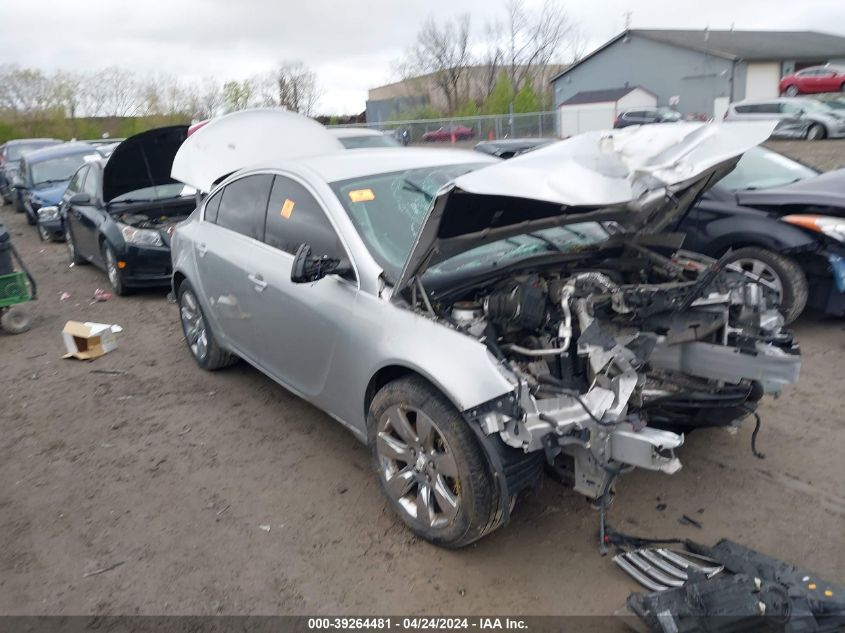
784	222
118	213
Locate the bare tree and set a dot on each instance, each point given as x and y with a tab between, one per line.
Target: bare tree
443	51
297	87
533	39
238	95
492	57
114	91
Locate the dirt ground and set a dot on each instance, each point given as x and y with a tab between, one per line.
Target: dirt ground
171	472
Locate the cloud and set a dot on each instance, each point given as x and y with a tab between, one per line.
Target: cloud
351	45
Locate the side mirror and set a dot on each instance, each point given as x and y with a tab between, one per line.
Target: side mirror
308	268
80	198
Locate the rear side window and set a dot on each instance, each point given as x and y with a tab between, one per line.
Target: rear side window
212	206
743	109
243	204
295	217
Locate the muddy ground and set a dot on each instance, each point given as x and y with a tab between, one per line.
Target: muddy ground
170	473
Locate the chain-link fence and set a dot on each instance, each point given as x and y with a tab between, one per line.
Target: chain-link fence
480	128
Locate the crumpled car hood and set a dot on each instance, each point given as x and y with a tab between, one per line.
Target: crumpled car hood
52	193
640	176
249	137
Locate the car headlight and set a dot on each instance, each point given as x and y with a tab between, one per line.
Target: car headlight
830	226
48	213
142	237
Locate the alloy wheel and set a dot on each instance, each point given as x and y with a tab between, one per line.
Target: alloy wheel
193	324
792	91
763	271
418	467
815	133
111	268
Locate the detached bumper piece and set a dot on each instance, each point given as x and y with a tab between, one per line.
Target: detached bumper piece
755	593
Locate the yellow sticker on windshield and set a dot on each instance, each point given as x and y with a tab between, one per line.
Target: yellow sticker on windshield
287	208
362	195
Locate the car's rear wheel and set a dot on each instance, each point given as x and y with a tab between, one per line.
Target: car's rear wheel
200	341
72	252
816	132
783	273
430	464
113	271
791	91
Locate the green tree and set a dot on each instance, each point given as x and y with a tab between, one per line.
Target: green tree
500	98
526	100
470	108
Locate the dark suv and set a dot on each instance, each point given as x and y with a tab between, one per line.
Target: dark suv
643	116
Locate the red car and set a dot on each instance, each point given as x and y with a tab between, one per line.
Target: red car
445	133
815	79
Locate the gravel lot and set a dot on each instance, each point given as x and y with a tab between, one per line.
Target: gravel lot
171	472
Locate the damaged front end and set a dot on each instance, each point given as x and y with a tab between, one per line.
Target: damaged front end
613	365
616	345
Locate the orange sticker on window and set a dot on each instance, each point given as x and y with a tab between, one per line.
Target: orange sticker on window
287	208
362	195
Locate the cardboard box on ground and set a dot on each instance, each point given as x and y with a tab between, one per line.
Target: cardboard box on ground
87	340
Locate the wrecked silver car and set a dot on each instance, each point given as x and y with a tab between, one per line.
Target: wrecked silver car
472	320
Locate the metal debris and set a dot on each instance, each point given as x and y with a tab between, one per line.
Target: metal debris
659	568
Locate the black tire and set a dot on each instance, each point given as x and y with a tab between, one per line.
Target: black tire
816	132
72	252
113	271
19	204
15	320
474	487
792	279
29	219
44	234
213	357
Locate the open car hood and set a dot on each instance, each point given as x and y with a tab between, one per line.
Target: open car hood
641	177
249	137
141	161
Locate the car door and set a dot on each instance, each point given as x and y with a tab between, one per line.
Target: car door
299	324
792	119
89	217
828	80
228	243
78	215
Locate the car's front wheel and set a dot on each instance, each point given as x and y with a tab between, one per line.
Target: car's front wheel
113	271
43	233
816	132
791	91
200	341
429	463
783	273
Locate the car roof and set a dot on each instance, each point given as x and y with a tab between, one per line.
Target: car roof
368	161
349	132
23	141
57	151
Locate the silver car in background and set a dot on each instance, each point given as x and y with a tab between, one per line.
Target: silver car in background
802	118
470	319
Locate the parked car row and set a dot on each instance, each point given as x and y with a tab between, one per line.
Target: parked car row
475	320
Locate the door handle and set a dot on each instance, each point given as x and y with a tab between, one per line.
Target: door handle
257	281
202	249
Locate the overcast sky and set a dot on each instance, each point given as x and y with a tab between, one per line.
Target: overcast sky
351	45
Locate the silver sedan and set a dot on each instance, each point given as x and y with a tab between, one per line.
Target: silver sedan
473	320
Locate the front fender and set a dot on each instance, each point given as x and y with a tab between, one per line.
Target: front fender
767	233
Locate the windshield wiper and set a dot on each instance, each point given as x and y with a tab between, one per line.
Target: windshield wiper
51	181
546	241
410	185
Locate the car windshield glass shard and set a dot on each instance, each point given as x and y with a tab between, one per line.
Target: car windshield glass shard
388	209
760	168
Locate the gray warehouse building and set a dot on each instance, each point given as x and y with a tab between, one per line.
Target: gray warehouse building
699	72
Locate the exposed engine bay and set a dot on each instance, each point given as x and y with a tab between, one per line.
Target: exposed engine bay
145	221
617	353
